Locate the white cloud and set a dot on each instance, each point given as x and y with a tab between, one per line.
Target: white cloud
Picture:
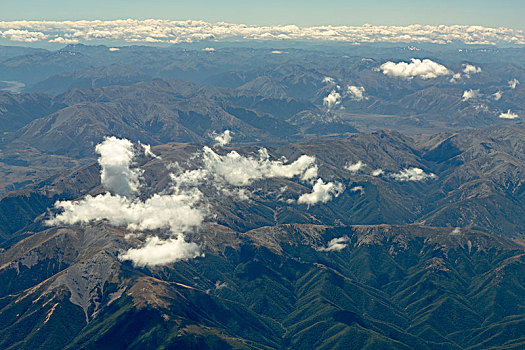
223	139
513	83
336	244
425	69
328	80
23	35
356	93
332	100
238	170
148	152
116	156
184	208
321	193
157	251
209	49
358	189
456	231
469	69
61	40
378	172
176	212
355	167
455	77
413	174
114	49
497	95
471	94
166	31
508	115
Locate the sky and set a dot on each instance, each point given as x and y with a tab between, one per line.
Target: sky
505	13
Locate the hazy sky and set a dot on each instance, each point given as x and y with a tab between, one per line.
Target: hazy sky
507	13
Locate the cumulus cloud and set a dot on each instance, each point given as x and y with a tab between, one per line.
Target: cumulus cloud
116	156
336	244
469	69
332	100
355	167
455	77
223	139
471	94
209	49
239	170
114	49
497	95
181	208
513	83
413	174
321	193
176	212
378	172
166	31
157	251
456	231
425	69
328	80
23	35
508	115
359	189
356	93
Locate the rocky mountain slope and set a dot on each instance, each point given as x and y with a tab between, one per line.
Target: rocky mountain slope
273	287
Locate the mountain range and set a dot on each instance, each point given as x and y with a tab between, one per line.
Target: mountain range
310	197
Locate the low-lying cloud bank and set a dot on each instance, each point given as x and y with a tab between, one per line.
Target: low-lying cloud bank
166	31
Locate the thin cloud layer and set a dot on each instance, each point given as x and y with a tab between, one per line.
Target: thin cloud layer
166	31
424	69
